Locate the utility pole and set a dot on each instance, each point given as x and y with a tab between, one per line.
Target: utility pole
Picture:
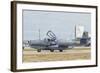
39	35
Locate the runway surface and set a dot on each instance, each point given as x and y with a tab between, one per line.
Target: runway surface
30	55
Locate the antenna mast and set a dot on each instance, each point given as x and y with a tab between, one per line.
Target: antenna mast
39	35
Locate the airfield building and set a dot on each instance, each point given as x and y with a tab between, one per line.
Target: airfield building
81	36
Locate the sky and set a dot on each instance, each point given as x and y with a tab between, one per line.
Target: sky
60	23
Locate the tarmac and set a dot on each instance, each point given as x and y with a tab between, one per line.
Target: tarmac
30	55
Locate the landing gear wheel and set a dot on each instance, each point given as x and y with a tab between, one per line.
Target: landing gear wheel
39	50
52	50
61	50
